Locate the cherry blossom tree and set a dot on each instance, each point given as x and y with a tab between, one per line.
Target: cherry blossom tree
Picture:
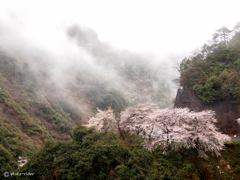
238	121
174	128
104	121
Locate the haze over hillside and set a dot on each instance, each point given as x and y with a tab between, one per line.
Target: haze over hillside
61	61
49	85
80	59
67	32
56	84
56	63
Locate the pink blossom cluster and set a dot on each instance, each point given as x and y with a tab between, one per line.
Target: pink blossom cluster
238	121
174	128
104	121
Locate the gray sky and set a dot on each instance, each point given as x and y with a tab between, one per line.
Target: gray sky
162	27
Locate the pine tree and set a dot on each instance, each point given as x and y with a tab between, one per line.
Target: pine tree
222	36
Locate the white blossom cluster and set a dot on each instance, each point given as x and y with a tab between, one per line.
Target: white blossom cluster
238	121
104	121
21	161
158	127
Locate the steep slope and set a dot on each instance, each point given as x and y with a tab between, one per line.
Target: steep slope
45	94
226	112
27	119
214	75
133	76
211	79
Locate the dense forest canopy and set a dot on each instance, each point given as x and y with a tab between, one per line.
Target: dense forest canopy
213	72
92	155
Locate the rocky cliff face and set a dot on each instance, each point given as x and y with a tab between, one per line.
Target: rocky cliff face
226	113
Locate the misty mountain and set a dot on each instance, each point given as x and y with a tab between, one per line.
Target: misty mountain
129	72
48	89
84	35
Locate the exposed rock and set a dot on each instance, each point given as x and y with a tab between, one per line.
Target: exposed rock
226	113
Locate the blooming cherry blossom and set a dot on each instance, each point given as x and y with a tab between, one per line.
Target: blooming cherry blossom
238	121
174	128
104	121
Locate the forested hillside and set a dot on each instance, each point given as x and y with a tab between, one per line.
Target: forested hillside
213	71
44	95
105	155
48	94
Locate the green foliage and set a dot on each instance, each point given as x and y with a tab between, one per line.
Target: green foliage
215	77
15	108
92	155
47	110
6	161
14	143
3	95
18	73
54	117
59	121
237	169
25	105
184	65
79	132
5	98
113	99
22	101
208	91
30	125
11	137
